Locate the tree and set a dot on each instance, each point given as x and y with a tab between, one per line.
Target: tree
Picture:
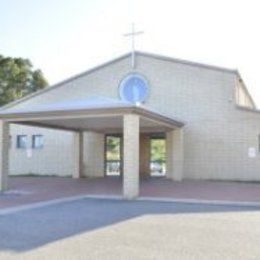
18	79
113	148
158	150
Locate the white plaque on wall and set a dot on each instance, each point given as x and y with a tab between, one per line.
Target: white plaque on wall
29	152
251	152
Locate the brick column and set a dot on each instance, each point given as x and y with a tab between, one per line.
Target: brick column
4	155
174	154
78	154
94	154
144	155
131	156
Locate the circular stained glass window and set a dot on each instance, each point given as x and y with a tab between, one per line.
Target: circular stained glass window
133	88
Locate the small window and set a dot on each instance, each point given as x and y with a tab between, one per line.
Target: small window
21	141
37	141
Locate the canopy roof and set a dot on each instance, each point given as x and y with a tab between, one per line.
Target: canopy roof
94	113
70	105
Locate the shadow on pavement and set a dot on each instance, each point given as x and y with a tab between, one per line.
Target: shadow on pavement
34	228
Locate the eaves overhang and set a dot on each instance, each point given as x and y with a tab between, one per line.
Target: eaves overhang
34	116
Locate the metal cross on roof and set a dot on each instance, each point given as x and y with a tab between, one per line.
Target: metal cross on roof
132	35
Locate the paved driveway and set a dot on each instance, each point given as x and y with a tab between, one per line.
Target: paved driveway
117	229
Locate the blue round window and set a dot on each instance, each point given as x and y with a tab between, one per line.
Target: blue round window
133	88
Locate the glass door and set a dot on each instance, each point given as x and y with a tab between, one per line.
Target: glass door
158	156
113	155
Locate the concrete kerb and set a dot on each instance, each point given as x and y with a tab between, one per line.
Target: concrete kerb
201	201
36	205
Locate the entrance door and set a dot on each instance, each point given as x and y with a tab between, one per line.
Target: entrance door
113	155
157	156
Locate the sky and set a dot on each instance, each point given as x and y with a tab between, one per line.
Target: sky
66	37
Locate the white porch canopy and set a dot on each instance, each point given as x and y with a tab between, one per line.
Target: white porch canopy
103	115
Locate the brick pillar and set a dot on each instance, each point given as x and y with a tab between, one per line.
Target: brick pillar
78	154
131	156
4	155
94	154
144	155
174	154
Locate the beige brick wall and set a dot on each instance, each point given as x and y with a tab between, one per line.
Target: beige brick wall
77	156
131	156
216	134
60	154
93	154
4	156
174	154
56	157
102	82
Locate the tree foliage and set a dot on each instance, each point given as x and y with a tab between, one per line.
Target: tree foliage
18	78
113	148
158	150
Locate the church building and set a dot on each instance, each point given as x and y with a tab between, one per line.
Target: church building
204	114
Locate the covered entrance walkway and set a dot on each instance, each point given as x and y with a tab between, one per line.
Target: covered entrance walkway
92	119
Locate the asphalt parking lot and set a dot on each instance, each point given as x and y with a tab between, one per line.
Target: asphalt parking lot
117	229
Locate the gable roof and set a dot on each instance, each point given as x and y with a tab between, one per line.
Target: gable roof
140	53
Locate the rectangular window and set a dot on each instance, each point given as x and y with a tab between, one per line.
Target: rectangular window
37	141
21	142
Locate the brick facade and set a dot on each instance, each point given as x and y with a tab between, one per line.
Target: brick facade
4	155
94	153
217	135
55	158
78	155
131	156
174	154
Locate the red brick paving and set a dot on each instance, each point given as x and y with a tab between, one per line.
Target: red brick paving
26	190
203	190
36	189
